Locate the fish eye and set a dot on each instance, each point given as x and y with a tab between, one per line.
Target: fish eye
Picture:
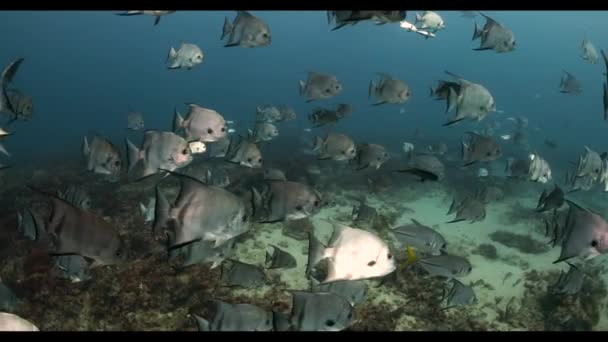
328	90
316	203
343	152
482	108
594	243
244	218
117	163
260	160
350	314
443	246
209	130
371	263
265	35
330	323
118	253
185	151
489	154
249	160
299	207
597	170
389	256
224	129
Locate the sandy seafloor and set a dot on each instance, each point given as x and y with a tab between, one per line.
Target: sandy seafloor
148	294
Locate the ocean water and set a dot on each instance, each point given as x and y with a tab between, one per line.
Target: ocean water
86	70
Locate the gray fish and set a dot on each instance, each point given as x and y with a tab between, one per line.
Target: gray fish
76	196
460	295
320	312
480	148
75	231
135	121
568	84
201	124
320	86
589	52
423	239
287	201
431	21
268	113
160	150
490	194
237	317
471	100
201	212
569	283
429	163
553	200
364	216
335	146
469	209
370	155
389	90
156	14
22	106
202	252
355	291
279	258
589	164
585	235
287	113
29	224
8	299
215	176
323	116
5	80
494	36
244	152
445	265
73	267
263	131
274	174
218	149
244	275
246	31
187	56
102	157
518	168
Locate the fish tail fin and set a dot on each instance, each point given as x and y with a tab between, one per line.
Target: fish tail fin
452	207
317	144
157	20
465	151
301	87
133	155
161	211
178	121
203	324
85	147
541	199
226	29
452	100
171	55
315	252
371	89
477	32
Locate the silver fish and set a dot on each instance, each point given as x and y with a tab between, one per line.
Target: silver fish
244	152
319	86
187	56
569	283
201	124
263	131
335	146
73	267
471	100
423	239
589	52
389	90
201	212
156	14
244	275
237	317
102	156
494	36
431	21
479	148
469	209
286	201
11	322
370	155
202	252
246	31
159	151
135	121
445	265
323	116
320	311
5	80
355	291
459	295
568	84
22	106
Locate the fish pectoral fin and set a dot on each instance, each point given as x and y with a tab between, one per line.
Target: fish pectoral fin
456	220
482	48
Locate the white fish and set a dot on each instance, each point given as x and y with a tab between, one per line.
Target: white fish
148	211
353	254
197	147
505	136
10	322
187	56
408	147
482	172
412	28
431	21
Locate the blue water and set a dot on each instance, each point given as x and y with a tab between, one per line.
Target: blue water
86	69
